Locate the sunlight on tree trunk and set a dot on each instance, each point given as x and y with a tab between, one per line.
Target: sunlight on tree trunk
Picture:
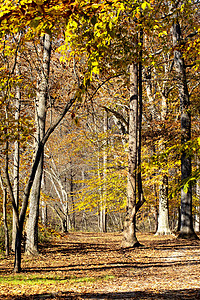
41	102
186	229
16	160
129	233
163	217
103	211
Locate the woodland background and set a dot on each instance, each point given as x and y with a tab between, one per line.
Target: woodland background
66	71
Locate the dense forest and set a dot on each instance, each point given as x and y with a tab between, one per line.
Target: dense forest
99	108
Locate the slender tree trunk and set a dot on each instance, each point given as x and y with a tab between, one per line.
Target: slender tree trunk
100	188
129	233
186	230
103	211
197	219
141	199
42	94
32	225
84	217
66	206
44	213
178	226
5	222
163	217
5	195
17	267
18	255
197	216
16	162
6	232
72	197
43	203
156	218
163	214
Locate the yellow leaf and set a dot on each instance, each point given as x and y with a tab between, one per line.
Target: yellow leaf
144	5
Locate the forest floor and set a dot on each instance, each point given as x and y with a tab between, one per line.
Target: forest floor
93	266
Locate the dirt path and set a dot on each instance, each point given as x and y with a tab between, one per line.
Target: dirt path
93	266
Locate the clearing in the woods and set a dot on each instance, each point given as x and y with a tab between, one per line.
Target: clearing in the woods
93	266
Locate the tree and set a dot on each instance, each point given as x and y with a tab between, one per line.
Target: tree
13	18
103	209
129	236
16	164
40	111
186	229
5	223
9	128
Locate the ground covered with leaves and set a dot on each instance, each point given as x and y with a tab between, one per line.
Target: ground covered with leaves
93	266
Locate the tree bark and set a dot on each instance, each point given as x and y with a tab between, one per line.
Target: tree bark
103	211
186	229
41	102
129	234
16	161
163	217
5	222
44	215
6	232
73	221
197	216
141	198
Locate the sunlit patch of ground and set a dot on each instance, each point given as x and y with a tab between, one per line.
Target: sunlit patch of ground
93	266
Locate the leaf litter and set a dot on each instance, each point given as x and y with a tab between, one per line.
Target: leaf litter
93	266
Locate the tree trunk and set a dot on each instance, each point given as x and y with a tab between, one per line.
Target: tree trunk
163	214
103	211
186	229
43	202
72	197
197	219
21	217
32	225
16	162
18	240
141	199
156	218
197	216
6	232
100	191
44	214
103	220
129	233
65	205
163	217
42	94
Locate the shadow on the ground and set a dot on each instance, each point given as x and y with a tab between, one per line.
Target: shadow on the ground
84	248
109	266
80	247
140	295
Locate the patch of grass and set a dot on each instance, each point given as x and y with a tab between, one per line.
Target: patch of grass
91	279
21	279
